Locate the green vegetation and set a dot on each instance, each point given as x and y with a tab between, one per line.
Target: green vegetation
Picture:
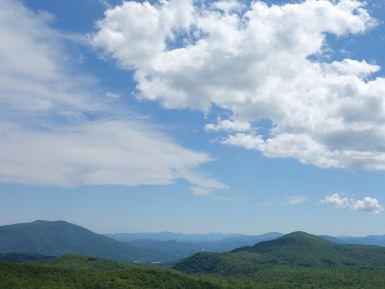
76	272
295	277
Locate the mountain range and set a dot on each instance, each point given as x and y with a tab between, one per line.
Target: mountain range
56	238
294	261
183	245
222	242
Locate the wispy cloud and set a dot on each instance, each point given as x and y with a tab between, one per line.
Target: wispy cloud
296	200
59	128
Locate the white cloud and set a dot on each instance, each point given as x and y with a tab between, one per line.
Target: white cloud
228	125
296	200
367	204
142	26
337	201
353	67
47	137
257	63
95	153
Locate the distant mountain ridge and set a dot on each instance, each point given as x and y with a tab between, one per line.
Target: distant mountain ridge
294	249
171	236
376	240
184	245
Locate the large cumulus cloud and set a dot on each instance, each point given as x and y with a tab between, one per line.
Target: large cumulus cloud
258	62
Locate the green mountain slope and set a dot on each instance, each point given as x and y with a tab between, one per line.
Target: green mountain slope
59	238
295	249
76	272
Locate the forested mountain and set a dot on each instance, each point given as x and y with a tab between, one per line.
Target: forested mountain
59	238
295	249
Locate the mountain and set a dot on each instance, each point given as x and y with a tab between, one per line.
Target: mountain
295	249
60	237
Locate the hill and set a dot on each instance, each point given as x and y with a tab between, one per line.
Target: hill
60	237
295	249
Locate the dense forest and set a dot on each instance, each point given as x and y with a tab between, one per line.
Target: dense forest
77	272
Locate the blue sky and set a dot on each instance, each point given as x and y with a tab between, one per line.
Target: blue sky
152	163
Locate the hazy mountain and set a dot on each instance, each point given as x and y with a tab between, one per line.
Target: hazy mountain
295	249
377	240
219	242
184	245
59	238
170	236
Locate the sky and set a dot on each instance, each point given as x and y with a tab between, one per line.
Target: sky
194	116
